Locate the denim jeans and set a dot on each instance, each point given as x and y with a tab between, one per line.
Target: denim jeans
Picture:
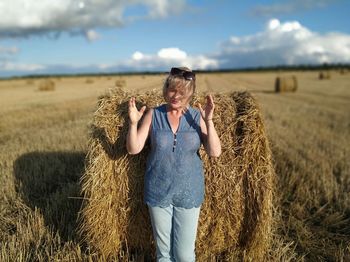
174	231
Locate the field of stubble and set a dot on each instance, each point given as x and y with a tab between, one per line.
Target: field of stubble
43	143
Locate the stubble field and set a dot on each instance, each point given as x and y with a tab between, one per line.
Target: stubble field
43	143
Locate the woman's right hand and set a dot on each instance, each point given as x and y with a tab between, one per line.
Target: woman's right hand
134	114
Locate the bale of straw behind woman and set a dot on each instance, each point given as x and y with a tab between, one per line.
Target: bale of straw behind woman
235	218
286	84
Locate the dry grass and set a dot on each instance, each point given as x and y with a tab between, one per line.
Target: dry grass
44	140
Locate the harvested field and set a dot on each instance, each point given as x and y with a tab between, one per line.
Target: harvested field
44	141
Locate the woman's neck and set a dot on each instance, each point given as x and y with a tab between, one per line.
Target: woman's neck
176	111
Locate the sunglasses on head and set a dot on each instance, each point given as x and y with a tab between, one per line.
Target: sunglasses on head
175	71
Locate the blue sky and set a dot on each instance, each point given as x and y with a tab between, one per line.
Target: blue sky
77	36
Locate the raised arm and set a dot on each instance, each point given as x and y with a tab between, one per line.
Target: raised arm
210	137
136	137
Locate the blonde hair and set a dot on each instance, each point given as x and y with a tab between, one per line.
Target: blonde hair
178	82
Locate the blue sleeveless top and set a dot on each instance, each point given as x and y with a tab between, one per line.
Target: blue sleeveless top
174	170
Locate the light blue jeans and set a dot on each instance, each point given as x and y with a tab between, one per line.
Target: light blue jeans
174	231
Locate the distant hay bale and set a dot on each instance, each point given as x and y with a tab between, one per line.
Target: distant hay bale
120	83
286	84
236	216
30	82
89	81
343	71
324	75
47	85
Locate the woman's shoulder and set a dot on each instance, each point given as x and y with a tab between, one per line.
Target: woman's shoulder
160	108
193	110
157	110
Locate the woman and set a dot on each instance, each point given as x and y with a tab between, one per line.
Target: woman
174	179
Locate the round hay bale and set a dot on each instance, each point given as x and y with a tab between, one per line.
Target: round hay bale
30	82
343	71
324	75
46	85
236	216
120	83
89	81
286	84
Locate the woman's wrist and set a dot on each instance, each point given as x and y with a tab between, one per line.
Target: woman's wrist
133	123
208	121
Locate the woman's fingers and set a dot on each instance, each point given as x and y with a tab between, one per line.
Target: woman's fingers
132	102
200	107
134	113
142	110
201	110
210	101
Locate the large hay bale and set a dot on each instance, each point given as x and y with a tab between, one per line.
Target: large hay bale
236	216
324	75
286	84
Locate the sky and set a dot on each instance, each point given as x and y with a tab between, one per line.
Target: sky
106	36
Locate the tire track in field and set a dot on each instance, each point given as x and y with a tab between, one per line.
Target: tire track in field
229	82
220	83
208	85
154	84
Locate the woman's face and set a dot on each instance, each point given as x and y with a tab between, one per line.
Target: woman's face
177	98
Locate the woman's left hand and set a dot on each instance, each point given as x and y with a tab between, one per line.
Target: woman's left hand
208	111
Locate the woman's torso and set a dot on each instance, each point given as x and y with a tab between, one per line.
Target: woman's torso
174	170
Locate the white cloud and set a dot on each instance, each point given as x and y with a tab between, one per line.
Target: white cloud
137	55
162	60
22	18
166	58
172	53
9	66
163	8
284	43
92	35
8	50
289	6
273	24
